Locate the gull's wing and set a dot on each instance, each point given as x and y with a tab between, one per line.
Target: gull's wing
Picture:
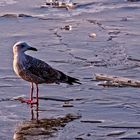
44	71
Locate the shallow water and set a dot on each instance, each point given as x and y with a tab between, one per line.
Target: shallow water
116	25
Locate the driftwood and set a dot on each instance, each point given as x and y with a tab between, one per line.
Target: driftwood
117	81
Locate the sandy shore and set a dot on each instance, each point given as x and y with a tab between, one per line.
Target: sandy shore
104	35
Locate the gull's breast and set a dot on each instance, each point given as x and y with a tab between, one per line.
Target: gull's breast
18	65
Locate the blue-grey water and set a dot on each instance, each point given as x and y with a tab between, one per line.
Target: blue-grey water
116	24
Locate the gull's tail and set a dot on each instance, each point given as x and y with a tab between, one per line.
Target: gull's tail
72	80
67	79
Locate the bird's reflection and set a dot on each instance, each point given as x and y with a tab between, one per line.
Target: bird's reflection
37	128
34	110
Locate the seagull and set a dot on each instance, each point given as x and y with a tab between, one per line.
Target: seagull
36	71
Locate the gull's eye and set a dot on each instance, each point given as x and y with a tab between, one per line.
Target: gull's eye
22	46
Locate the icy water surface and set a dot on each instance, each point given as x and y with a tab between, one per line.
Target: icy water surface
106	113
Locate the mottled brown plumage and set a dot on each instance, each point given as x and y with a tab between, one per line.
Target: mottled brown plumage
37	71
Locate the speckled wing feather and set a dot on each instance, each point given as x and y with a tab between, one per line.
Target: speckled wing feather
42	70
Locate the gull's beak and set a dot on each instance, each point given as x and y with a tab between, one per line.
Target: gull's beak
32	48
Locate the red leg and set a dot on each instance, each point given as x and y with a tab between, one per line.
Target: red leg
31	91
37	101
29	101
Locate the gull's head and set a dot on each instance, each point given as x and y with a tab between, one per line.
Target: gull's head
20	47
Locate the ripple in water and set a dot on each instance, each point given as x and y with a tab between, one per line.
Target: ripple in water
4	2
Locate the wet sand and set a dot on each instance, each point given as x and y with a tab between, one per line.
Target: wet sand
106	113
